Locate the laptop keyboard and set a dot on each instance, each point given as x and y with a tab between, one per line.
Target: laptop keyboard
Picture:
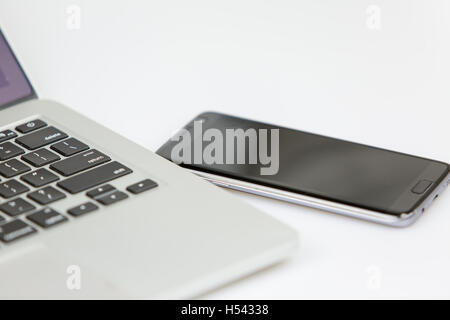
72	165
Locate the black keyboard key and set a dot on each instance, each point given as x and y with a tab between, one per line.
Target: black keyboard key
6	135
2	219
142	186
94	177
46	218
9	150
113	197
40	157
14	230
82	209
80	162
69	147
12	188
46	195
31	126
16	207
100	191
13	168
39	178
41	138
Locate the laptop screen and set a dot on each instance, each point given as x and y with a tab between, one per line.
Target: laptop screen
14	85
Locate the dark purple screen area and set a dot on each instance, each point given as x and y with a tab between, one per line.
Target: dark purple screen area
13	82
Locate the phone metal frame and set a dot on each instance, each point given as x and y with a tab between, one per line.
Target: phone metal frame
402	220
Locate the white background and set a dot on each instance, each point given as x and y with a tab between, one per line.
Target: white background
144	68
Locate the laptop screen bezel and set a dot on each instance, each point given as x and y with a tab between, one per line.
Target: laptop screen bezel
33	94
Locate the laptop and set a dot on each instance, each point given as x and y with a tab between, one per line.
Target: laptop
87	214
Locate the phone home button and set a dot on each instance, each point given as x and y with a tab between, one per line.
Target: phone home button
421	186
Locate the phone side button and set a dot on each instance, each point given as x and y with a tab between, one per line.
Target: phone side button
421	186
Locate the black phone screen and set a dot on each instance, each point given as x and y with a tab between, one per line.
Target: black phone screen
319	166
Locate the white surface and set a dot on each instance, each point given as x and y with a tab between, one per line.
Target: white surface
143	68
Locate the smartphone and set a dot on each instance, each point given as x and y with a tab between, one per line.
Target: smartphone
309	169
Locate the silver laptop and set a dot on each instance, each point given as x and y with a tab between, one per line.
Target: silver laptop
85	213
